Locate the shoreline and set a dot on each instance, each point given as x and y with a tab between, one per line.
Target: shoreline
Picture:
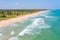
5	23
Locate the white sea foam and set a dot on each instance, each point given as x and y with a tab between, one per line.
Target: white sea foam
1	34
48	16
38	23
12	32
14	38
23	32
44	26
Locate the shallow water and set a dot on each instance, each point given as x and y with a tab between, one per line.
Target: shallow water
45	26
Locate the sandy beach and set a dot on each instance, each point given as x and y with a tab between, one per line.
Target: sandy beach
4	23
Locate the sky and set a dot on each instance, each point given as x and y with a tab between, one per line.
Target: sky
29	4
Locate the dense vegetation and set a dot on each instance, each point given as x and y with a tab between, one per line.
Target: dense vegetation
5	14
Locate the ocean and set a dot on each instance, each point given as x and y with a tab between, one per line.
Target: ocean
44	26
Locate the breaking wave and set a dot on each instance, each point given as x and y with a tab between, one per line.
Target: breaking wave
35	27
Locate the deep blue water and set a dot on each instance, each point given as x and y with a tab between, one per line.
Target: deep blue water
45	26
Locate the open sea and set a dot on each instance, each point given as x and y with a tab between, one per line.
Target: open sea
44	26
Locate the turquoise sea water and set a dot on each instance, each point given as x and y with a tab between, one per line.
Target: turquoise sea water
45	26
